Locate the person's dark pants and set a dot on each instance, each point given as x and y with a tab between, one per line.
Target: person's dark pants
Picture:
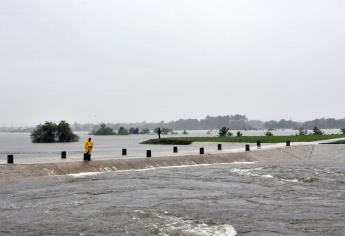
87	157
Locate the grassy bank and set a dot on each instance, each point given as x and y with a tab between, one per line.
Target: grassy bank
338	142
243	139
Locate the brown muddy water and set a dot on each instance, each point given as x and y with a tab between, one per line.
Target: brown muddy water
301	195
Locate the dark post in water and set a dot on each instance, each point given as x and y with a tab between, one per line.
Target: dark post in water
9	159
175	149
288	143
63	155
124	152
258	144
219	147
202	151
247	147
148	153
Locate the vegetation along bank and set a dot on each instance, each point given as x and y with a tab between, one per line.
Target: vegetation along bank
243	139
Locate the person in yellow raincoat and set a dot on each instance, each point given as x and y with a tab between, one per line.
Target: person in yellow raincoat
88	145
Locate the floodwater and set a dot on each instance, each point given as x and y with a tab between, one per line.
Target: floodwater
24	151
290	197
20	145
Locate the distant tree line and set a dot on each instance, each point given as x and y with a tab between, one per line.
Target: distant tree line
103	129
233	122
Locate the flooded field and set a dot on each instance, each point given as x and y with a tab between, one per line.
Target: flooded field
20	145
303	195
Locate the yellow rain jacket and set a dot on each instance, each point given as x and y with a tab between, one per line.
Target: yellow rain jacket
88	147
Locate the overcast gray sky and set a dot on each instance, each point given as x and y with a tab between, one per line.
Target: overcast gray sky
136	60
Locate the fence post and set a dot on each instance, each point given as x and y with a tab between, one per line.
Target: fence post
219	147
124	152
9	159
63	155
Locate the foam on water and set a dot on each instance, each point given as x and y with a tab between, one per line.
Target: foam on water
253	173
81	175
188	227
247	172
267	176
290	180
108	169
242	163
173	225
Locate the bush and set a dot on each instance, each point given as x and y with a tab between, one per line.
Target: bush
134	131
144	131
64	133
223	131
317	131
268	133
103	130
122	131
302	132
239	134
170	141
164	131
49	132
342	131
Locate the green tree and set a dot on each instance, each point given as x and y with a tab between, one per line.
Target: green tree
44	133
342	131
317	131
164	131
64	133
122	131
134	131
223	131
49	132
103	130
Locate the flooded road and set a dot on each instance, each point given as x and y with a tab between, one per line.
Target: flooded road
286	197
20	145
